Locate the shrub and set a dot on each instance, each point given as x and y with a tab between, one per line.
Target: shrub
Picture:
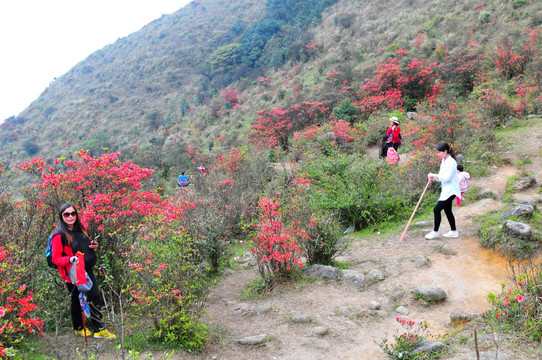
361	192
404	344
276	246
323	242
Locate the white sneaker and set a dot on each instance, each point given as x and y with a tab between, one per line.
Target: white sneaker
451	234
432	235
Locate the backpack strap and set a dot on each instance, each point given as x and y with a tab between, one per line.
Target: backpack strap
63	243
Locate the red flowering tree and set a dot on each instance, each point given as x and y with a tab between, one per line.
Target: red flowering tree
396	84
274	128
135	227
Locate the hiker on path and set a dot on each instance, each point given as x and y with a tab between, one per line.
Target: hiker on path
71	239
183	180
449	190
463	177
394	133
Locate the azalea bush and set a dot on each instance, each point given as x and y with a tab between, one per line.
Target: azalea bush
139	231
276	245
517	306
18	311
404	343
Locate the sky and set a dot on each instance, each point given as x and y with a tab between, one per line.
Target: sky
43	39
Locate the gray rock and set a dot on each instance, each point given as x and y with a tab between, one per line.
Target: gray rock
375	275
517	229
430	293
429	347
529	202
319	331
402	310
524	183
301	319
538	198
322	271
353	277
252	340
521	209
421	261
262	309
530	116
448	250
410	114
486	194
462	317
374	305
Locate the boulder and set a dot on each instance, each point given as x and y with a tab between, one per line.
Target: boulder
521	209
517	229
322	271
430	293
353	277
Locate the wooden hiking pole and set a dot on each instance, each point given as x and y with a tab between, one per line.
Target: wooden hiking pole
414	212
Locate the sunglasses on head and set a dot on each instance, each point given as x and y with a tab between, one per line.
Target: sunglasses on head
68	214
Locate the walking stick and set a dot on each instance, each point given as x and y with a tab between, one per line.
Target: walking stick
84	327
414	212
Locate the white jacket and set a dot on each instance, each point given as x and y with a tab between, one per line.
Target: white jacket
448	179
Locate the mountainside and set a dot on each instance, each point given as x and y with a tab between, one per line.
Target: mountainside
191	77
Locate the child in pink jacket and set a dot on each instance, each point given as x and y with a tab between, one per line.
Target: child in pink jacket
463	177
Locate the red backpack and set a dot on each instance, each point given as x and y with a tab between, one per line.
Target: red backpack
392	156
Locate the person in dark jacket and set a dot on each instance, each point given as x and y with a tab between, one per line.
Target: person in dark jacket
72	238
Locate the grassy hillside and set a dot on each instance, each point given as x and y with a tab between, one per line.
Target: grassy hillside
199	77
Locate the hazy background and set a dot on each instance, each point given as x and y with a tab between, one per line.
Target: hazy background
41	40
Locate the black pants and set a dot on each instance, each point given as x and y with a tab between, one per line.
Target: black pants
94	299
445	205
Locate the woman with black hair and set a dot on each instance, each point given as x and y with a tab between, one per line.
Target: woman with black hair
449	190
72	237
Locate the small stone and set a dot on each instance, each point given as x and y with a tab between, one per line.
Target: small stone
319	331
448	250
301	319
252	340
374	305
421	261
402	310
262	309
375	275
430	293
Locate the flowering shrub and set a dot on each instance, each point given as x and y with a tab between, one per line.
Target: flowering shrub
276	247
404	344
274	128
133	270
17	309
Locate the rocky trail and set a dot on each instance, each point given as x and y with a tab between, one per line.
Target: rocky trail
338	319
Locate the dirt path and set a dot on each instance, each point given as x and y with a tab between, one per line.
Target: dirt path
353	329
